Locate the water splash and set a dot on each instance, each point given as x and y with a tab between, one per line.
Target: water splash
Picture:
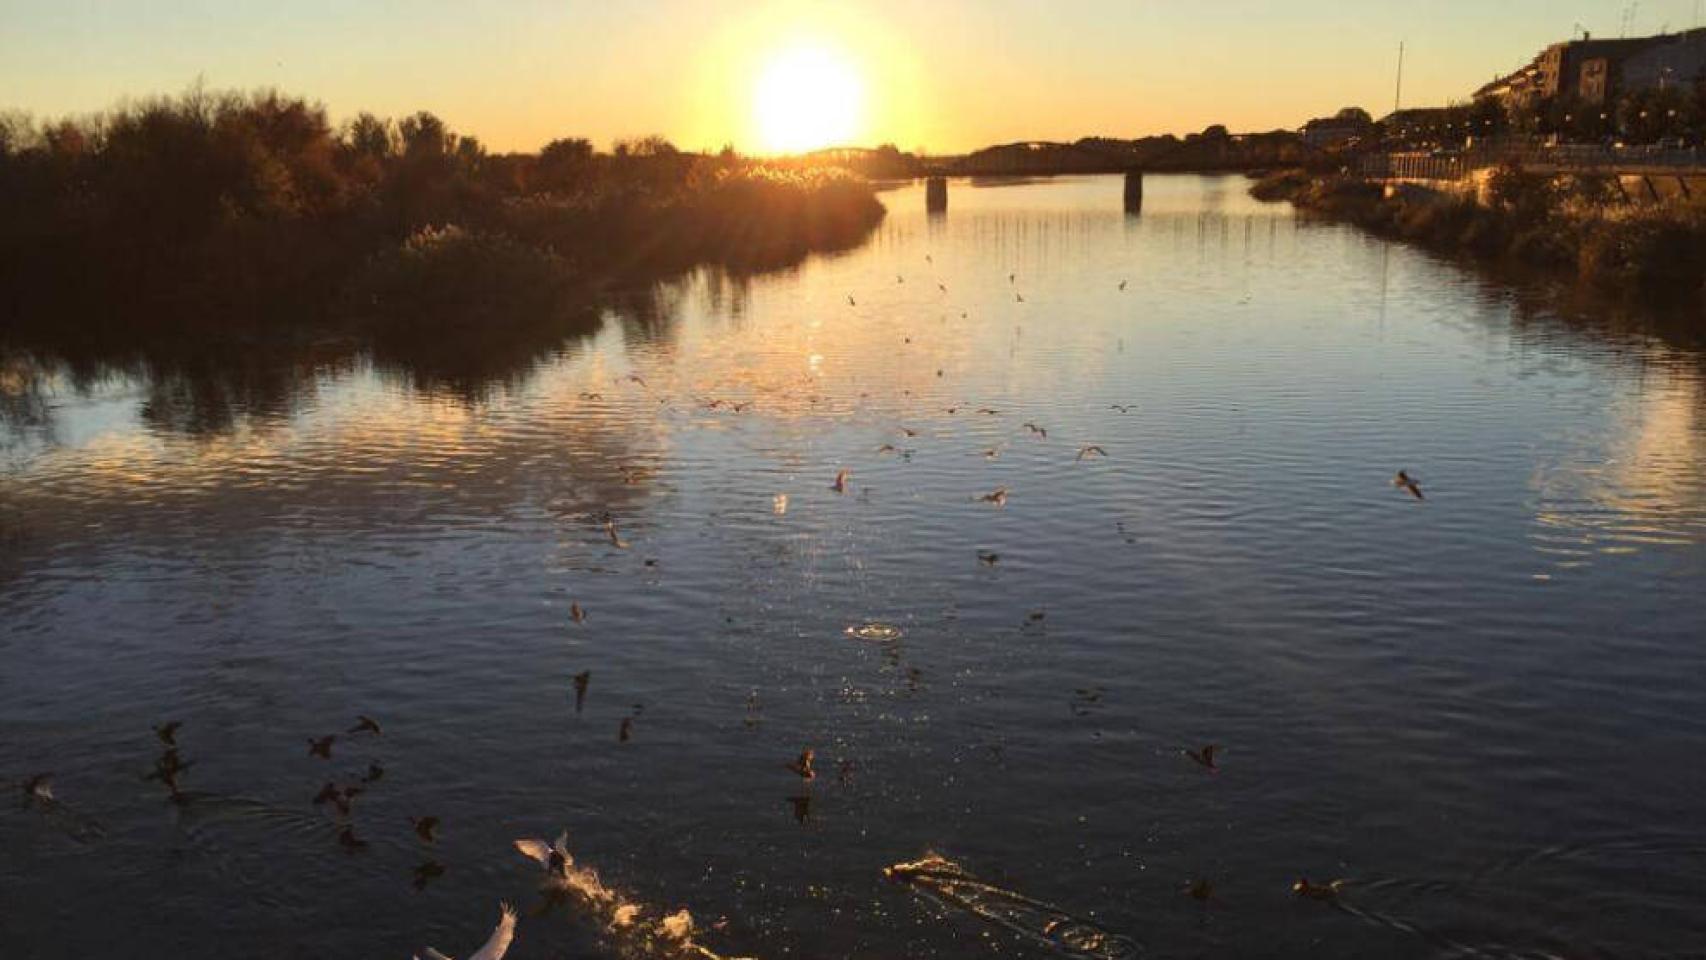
949	883
875	632
632	929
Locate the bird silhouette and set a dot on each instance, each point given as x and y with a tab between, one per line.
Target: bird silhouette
373	774
803	766
365	724
322	747
1018	298
1120	407
581	680
850	301
989	558
168	732
588	395
576	613
341	798
1205	756
909	432
425	827
496	945
1122	284
988	411
426	873
349	841
997	497
886	448
840	484
1091	451
1404	481
942	287
1318	891
899	279
1012	278
626	730
1039	431
636	378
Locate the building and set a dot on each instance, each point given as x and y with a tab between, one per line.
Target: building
1596	71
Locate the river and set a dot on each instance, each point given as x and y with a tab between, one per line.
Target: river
1485	709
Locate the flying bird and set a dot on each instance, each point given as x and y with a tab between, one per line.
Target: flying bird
365	724
840	484
349	841
610	531
576	613
340	797
997	497
850	301
1091	451
496	945
1404	481
989	558
425	827
427	873
1018	298
1039	431
168	732
626	730
322	747
1122	284
553	856
803	766
373	774
1205	756
581	680
1120	407
39	788
636	378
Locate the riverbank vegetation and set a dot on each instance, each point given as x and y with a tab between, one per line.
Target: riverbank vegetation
228	212
1579	223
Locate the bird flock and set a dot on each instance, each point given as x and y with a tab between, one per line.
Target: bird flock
339	795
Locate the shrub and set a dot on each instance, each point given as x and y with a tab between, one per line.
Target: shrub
450	277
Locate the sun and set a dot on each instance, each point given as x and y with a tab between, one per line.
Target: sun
807	96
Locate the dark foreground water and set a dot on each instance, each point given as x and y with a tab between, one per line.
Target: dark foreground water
1485	710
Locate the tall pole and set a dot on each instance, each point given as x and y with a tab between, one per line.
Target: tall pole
1398	94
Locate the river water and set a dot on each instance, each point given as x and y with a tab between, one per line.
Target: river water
1485	710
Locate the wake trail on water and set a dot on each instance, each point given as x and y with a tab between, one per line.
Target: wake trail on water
948	883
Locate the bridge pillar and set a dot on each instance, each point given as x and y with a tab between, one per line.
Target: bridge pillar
936	194
1133	191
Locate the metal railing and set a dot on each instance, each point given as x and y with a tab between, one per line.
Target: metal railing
1584	157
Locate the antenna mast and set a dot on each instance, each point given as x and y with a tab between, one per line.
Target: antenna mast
1398	92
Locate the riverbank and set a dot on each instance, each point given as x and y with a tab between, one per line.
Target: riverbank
1577	224
244	215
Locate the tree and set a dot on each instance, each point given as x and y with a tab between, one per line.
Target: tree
1355	115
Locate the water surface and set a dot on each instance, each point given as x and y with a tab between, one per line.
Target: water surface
1485	710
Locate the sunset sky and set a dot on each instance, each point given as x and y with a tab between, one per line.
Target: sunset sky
946	75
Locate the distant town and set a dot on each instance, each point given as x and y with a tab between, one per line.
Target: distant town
1636	92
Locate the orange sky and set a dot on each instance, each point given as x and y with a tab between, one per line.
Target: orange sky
947	75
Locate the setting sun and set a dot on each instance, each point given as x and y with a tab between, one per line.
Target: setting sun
808	96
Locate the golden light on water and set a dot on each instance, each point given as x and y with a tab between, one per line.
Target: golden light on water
807	96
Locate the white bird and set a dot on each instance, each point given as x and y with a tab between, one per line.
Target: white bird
496	946
553	856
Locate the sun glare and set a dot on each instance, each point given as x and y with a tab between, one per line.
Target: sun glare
808	96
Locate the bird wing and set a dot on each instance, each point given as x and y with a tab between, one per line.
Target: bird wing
537	849
561	846
498	944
